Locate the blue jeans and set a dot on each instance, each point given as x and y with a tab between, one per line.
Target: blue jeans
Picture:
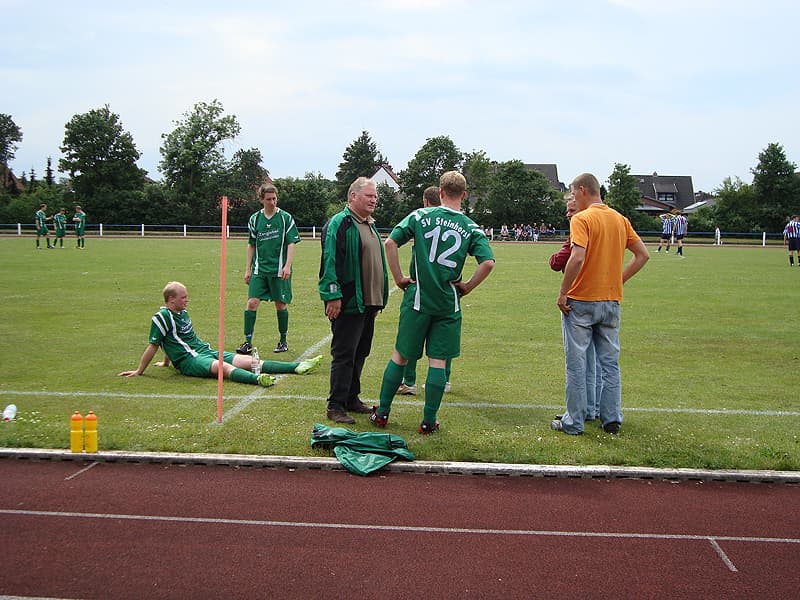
594	384
587	324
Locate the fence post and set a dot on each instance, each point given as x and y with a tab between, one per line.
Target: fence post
101	230
142	229
314	232
764	239
227	231
19	228
184	230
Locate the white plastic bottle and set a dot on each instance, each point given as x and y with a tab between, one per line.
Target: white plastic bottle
256	362
10	412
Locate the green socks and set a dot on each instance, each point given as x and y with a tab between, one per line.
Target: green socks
434	390
410	373
243	376
392	376
277	366
283	323
249	323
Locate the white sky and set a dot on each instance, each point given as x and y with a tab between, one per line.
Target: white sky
681	87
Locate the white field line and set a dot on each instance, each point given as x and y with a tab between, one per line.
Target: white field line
402	528
398	401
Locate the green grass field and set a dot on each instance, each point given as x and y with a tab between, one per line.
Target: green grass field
709	358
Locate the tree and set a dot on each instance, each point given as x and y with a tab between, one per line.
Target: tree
360	159
10	136
388	211
624	195
776	187
520	195
48	173
100	157
307	199
479	171
623	190
437	155
192	155
243	177
736	208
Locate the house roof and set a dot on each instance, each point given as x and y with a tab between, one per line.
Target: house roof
550	171
9	179
388	169
650	186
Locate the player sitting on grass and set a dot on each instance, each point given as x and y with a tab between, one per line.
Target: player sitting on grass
171	329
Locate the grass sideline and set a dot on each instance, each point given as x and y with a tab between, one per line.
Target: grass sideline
707	359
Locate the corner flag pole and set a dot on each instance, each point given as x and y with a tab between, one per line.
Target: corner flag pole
221	341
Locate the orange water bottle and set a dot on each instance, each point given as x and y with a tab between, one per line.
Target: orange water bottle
90	439
76	432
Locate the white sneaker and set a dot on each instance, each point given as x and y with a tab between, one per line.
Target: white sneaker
407	390
446	387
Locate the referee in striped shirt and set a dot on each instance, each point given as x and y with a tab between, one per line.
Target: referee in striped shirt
791	236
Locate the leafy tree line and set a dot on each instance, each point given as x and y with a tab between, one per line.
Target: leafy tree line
99	158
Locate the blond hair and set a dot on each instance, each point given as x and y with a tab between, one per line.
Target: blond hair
453	184
359	184
172	289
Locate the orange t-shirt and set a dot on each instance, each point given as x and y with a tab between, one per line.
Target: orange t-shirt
605	234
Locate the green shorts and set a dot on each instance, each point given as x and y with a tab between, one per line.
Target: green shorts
80	232
42	231
60	233
270	288
200	365
440	335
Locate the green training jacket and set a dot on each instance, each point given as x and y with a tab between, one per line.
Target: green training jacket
340	264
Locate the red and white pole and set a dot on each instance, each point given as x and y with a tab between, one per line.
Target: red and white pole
221	341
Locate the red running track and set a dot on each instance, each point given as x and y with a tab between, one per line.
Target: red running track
110	530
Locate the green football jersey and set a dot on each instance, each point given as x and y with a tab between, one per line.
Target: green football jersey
443	238
61	223
175	334
80	225
271	238
40	219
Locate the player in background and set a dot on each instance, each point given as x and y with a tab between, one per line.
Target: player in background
667	225
79	218
268	273
430	314
41	226
791	238
60	221
681	230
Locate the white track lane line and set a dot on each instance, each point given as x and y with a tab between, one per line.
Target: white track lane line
406	528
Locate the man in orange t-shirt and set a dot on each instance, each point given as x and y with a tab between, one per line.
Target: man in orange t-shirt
589	302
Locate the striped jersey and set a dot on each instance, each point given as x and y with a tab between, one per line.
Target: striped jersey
443	238
271	237
681	225
666	225
40	219
175	334
792	229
